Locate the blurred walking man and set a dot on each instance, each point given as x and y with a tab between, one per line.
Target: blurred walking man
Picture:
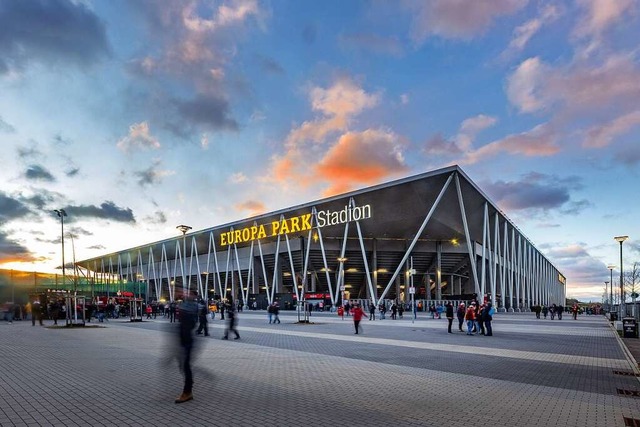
188	316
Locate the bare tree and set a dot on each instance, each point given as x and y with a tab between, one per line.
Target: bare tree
632	283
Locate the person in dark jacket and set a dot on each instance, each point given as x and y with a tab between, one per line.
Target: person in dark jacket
36	313
276	312
202	318
172	311
489	311
270	312
372	312
188	316
449	314
55	311
460	313
480	318
231	323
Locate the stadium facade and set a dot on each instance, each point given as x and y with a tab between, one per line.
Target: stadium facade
434	236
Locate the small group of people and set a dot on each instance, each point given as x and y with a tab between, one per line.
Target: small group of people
436	311
554	310
478	317
35	311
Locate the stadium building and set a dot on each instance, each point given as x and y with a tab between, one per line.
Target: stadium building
434	236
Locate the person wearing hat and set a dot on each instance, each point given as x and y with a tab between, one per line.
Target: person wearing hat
460	313
470	317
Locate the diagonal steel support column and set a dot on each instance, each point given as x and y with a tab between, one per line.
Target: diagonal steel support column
212	245
417	236
264	274
274	282
472	256
364	258
324	260
293	270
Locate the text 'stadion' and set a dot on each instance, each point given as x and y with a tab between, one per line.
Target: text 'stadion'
295	224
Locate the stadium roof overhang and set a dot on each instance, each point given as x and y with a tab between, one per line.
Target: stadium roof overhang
390	211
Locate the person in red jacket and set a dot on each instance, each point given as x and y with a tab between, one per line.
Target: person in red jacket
357	316
470	317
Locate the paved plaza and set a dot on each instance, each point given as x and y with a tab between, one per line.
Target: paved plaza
397	373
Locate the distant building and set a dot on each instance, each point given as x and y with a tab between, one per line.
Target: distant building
437	230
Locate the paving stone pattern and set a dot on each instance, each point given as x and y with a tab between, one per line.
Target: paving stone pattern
397	373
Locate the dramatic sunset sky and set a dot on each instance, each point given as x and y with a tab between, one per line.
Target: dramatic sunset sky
137	116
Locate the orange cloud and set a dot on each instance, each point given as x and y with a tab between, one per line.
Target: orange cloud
254	207
338	104
361	158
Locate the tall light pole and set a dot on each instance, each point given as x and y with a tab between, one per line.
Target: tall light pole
61	214
342	260
621	239
606	284
611	267
412	291
184	228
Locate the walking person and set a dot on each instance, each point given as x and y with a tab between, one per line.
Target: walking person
372	312
358	314
187	318
213	308
489	311
574	311
449	314
460	313
55	311
231	323
270	313
545	311
172	312
553	310
560	310
202	318
36	313
276	312
382	309
394	309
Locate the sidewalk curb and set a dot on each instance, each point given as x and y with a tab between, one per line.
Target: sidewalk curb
635	366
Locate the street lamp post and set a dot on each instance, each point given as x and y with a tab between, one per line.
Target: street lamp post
412	291
611	267
61	214
623	310
606	285
184	228
342	260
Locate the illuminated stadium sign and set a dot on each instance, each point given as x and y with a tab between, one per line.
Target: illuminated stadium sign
324	218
